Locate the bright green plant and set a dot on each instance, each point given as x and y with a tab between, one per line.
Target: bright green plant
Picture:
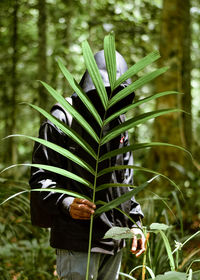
108	102
157	228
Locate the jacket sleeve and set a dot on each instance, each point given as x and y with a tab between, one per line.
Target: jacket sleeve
135	211
41	178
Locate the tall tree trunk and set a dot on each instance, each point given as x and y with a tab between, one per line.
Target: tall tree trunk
14	40
175	50
42	47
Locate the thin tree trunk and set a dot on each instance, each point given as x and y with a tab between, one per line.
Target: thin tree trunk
175	51
42	46
14	40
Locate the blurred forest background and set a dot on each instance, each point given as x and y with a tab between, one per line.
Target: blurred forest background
32	34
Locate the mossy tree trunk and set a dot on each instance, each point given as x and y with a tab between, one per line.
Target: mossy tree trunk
175	51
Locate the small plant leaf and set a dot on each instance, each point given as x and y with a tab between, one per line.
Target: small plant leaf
158	226
118	233
94	73
171	275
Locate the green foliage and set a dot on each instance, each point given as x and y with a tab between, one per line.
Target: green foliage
107	102
70	23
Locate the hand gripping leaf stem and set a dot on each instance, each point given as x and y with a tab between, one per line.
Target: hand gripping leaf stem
108	101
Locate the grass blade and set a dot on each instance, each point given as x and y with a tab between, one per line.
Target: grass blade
94	73
168	249
135	85
137	67
110	58
138	146
134	122
147	268
60	150
67	130
138	103
84	98
56	170
68	107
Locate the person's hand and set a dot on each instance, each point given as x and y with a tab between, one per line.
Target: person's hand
81	209
138	245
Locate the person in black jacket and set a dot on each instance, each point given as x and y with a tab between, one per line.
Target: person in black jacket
70	217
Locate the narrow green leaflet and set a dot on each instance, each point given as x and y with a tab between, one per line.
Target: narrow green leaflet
61	151
113	185
114	203
135	85
135	121
67	130
68	107
84	98
135	167
94	73
138	146
56	170
63	191
138	103
110	58
169	251
138	67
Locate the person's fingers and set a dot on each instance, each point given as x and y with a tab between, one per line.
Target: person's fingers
134	244
79	210
85	201
82	208
81	216
141	247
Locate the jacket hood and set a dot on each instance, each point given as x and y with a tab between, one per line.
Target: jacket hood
86	81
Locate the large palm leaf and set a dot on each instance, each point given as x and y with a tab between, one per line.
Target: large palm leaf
107	102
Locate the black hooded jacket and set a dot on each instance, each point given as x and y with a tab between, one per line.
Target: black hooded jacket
66	232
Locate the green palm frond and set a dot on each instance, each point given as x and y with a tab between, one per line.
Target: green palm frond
107	102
